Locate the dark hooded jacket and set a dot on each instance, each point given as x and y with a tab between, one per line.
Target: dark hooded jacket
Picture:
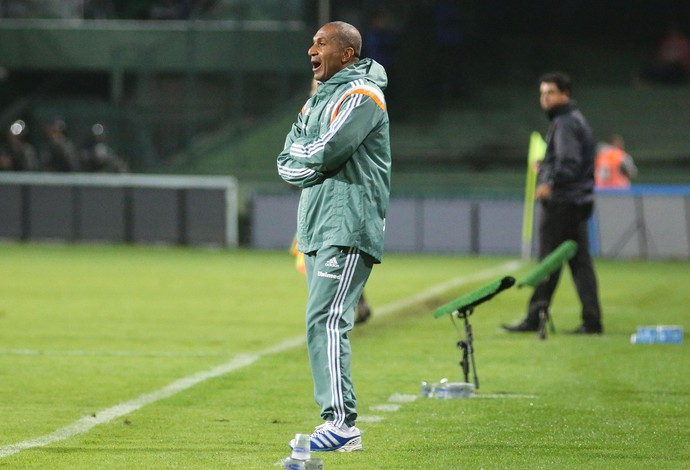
568	165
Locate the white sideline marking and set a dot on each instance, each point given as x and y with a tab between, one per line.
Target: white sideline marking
441	288
400	398
80	353
369	419
504	395
387	407
86	423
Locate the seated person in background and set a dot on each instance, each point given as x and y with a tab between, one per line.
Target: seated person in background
17	154
613	166
60	154
97	156
672	61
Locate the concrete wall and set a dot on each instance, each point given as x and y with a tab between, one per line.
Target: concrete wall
649	222
646	222
412	225
118	208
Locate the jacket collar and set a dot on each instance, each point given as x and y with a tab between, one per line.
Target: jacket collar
560	109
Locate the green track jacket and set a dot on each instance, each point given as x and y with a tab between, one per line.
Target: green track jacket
338	151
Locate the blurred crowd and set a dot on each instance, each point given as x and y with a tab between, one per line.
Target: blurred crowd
103	9
405	38
146	9
57	152
671	62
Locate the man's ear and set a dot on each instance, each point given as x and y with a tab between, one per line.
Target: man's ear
348	54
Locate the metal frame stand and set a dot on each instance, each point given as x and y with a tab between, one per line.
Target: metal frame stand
463	307
467	347
544	318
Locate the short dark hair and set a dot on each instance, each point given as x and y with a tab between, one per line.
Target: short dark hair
562	81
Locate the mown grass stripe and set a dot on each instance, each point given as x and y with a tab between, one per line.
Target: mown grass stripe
86	423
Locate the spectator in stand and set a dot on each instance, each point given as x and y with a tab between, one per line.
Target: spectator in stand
99	9
672	62
60	154
171	9
381	43
17	154
448	43
381	40
97	156
613	166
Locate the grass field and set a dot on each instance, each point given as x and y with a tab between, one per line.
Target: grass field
161	357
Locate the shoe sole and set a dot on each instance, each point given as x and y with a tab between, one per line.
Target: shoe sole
353	445
362	318
509	330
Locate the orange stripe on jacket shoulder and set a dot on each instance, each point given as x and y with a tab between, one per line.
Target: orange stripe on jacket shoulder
359	91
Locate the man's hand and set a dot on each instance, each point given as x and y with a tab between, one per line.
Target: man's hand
543	192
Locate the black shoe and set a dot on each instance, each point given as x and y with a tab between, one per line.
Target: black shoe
588	330
523	326
363	312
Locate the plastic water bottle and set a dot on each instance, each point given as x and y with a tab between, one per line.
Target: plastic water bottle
293	464
660	334
427	390
442	389
301	449
314	464
459	390
670	334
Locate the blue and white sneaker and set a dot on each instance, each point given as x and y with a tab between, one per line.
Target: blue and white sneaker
330	438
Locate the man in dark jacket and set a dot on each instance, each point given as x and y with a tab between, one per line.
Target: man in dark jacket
566	191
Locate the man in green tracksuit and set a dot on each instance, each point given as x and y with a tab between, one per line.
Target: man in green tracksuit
338	152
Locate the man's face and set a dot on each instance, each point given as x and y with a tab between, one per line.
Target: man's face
550	96
328	56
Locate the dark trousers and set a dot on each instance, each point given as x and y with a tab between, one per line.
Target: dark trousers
560	222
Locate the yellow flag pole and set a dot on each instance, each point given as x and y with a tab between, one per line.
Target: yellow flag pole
537	149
